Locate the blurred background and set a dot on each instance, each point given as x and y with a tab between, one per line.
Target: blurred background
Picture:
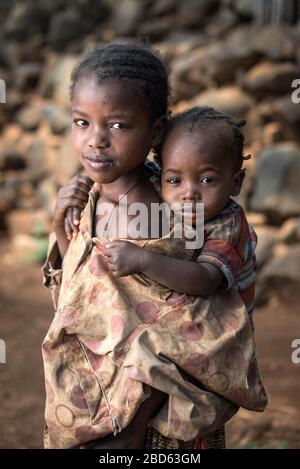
240	56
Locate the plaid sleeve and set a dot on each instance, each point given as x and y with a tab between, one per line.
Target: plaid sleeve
226	238
224	256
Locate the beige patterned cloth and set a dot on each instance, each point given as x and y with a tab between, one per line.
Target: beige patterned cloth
112	339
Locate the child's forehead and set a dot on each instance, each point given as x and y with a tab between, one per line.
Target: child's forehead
201	140
109	92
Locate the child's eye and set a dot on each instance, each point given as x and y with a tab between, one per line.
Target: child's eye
119	126
208	180
81	122
173	180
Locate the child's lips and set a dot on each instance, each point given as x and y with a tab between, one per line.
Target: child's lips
99	164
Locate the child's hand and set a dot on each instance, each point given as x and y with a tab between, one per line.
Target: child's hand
71	200
124	258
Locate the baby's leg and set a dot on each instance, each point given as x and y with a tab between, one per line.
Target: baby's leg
133	436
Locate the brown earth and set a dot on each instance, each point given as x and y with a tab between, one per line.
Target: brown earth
26	311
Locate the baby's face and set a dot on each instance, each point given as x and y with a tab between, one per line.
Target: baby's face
198	168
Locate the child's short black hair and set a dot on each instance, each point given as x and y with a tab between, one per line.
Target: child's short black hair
136	63
198	117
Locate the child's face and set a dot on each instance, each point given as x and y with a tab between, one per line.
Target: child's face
198	168
111	132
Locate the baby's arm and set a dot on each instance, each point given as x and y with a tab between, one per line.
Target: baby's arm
188	277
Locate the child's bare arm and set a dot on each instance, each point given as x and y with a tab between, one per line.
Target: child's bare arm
188	277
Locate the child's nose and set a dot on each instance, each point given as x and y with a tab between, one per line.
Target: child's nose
192	193
99	139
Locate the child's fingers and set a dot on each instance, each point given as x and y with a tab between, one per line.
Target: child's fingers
70	220
68	230
76	215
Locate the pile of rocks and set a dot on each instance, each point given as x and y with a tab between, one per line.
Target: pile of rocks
219	54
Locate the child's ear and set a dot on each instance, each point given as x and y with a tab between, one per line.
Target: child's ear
238	179
159	128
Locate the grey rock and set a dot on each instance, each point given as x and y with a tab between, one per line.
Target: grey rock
267	78
66	163
37	158
30	117
46	195
128	17
281	276
287	113
275	42
277	191
266	241
228	99
57	118
64	27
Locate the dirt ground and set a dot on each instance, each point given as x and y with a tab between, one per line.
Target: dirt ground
26	311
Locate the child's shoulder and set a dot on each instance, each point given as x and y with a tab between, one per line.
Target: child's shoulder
229	224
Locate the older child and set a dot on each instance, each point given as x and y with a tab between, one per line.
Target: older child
118	348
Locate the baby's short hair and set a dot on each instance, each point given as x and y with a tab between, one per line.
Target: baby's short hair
207	117
137	64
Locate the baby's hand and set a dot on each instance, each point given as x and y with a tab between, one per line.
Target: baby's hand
124	258
71	200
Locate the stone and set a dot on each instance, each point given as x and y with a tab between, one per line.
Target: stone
57	118
275	42
35	223
228	99
267	78
46	195
287	113
290	231
128	17
266	241
27	75
193	13
9	193
66	163
212	64
55	81
276	190
37	158
281	276
65	26
29	117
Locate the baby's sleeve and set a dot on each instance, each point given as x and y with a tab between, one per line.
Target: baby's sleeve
226	245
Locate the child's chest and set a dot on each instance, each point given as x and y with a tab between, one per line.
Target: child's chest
128	217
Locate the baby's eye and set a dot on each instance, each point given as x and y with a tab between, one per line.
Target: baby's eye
118	126
173	180
208	180
81	122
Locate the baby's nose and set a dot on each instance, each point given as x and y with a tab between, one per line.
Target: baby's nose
192	194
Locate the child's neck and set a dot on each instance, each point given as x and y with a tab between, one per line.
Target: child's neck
113	190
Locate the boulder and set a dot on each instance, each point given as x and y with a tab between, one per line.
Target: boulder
266	241
228	99
268	78
277	190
